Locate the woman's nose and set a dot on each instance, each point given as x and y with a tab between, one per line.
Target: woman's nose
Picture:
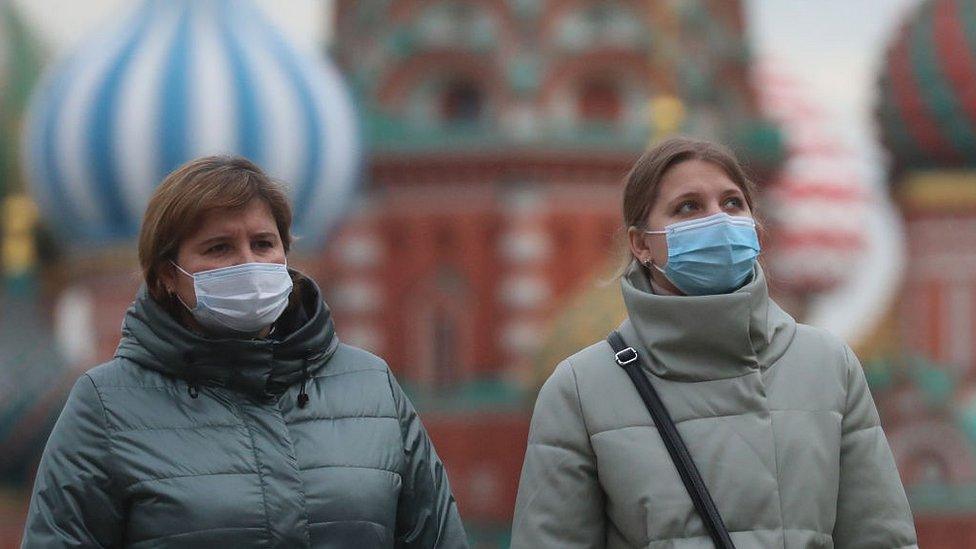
713	208
245	256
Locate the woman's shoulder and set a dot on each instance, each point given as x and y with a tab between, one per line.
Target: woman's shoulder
353	367
113	390
818	358
593	364
596	357
122	373
348	359
814	342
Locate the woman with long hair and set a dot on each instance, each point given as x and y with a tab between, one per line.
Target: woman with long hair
776	416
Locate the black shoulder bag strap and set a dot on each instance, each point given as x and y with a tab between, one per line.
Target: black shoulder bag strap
627	358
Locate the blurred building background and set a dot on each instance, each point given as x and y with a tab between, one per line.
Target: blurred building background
456	169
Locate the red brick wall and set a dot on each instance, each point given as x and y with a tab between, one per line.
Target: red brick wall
949	532
483	456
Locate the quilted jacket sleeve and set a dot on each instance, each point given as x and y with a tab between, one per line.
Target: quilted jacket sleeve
427	515
73	503
872	509
559	502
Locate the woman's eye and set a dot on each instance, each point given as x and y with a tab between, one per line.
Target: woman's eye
264	244
217	248
734	203
686	207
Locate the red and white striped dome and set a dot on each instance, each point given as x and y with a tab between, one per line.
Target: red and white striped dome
818	203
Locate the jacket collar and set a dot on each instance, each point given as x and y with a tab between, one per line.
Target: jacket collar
697	338
304	341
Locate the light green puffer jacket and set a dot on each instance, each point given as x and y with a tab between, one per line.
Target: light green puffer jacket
777	416
184	441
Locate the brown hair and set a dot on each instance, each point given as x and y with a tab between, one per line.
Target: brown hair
644	179
178	206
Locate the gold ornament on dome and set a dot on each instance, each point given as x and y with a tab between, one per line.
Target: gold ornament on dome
18	254
667	114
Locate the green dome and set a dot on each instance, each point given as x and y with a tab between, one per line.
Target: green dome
926	109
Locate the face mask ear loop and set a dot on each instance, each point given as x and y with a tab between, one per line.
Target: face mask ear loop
180	268
651	263
183	303
177	294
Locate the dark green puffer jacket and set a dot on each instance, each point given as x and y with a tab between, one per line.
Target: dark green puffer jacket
183	441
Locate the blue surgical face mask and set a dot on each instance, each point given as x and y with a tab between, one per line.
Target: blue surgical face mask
710	255
242	299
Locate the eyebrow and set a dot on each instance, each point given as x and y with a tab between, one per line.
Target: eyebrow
696	194
222	237
214	240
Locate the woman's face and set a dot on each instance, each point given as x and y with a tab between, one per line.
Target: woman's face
226	238
689	190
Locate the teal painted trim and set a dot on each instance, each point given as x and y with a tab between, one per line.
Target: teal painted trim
967	20
485	535
896	138
941	498
758	143
386	134
904	150
894	135
934	89
401	42
22	285
879	375
524	74
481	395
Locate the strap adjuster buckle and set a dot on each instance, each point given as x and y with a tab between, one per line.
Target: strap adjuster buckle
626	356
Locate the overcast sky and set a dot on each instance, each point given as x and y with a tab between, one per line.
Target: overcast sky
835	46
65	22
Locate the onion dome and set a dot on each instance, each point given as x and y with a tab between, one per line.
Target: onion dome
927	102
819	202
176	80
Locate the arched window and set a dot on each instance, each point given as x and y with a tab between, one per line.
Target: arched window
599	101
444	351
461	103
441	330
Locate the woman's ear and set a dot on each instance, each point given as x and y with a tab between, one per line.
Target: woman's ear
638	245
167	278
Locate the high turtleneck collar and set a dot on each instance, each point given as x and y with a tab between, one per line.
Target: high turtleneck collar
697	338
304	341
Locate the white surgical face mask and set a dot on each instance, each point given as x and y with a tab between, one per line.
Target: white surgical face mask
243	298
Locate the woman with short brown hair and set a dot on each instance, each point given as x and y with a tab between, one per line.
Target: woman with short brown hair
775	415
231	415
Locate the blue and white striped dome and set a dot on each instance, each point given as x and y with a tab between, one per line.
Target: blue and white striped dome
179	79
